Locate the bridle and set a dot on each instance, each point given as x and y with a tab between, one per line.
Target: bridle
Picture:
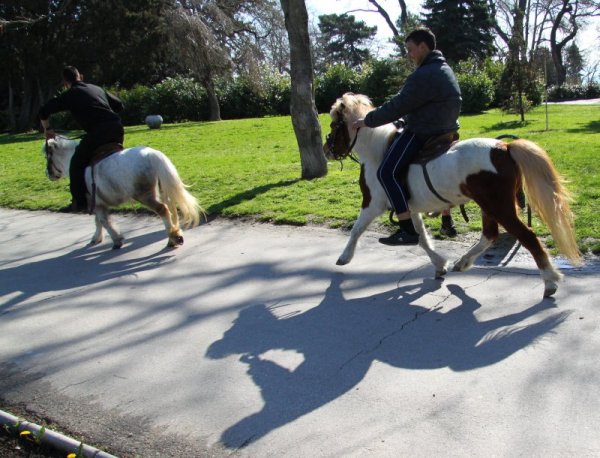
50	165
331	138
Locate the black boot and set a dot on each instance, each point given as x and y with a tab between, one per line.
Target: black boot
448	228
74	208
406	235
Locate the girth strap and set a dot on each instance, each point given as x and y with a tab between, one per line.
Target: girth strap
430	184
101	153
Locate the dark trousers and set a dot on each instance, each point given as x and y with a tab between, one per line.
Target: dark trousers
400	153
104	133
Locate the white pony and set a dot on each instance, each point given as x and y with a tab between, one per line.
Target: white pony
139	173
484	170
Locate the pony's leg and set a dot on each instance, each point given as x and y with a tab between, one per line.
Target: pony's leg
365	218
174	215
528	239
102	216
98	235
174	234
440	263
488	235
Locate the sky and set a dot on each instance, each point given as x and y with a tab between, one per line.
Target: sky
587	41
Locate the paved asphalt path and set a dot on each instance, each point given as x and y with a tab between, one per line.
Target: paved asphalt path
250	341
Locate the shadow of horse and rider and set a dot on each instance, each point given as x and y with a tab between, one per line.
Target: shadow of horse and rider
341	338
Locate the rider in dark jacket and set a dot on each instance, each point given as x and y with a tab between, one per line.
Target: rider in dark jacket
96	112
430	104
429	101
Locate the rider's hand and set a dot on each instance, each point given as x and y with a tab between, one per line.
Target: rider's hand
49	133
359	123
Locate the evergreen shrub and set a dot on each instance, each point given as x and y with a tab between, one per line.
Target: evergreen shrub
243	97
178	99
336	81
136	101
382	79
477	91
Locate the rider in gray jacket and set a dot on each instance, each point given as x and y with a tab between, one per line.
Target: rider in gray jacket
430	104
429	101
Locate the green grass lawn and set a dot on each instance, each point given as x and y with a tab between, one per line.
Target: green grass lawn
251	168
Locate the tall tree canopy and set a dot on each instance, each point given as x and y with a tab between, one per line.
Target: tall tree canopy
544	23
211	39
108	40
345	39
462	28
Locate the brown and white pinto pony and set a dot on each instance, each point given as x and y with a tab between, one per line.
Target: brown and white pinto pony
484	170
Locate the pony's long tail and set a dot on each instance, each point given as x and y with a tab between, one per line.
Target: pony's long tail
547	195
174	192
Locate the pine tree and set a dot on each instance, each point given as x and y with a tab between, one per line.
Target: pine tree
574	63
344	37
463	28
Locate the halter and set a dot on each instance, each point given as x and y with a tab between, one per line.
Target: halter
331	137
49	160
49	157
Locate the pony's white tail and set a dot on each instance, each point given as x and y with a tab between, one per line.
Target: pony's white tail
547	195
174	193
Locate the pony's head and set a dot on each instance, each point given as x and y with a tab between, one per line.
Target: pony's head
345	110
58	152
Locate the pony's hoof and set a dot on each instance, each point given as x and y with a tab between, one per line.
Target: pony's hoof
117	244
460	267
549	292
175	241
341	262
439	274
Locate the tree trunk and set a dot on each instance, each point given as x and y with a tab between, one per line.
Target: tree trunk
557	47
561	72
12	124
302	104
213	100
25	112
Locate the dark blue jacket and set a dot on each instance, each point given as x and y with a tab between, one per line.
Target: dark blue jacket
429	101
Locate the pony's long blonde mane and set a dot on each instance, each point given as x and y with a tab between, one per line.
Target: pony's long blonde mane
352	106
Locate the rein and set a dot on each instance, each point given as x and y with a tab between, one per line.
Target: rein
351	147
349	152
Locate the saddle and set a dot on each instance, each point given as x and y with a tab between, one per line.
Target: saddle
433	148
105	150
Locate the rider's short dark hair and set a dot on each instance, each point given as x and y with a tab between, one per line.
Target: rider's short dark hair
422	35
70	74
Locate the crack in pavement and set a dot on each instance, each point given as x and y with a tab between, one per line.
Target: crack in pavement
434	308
417	315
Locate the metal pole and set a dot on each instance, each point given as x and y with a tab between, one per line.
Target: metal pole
546	88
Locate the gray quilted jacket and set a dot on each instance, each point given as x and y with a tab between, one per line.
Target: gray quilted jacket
429	101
